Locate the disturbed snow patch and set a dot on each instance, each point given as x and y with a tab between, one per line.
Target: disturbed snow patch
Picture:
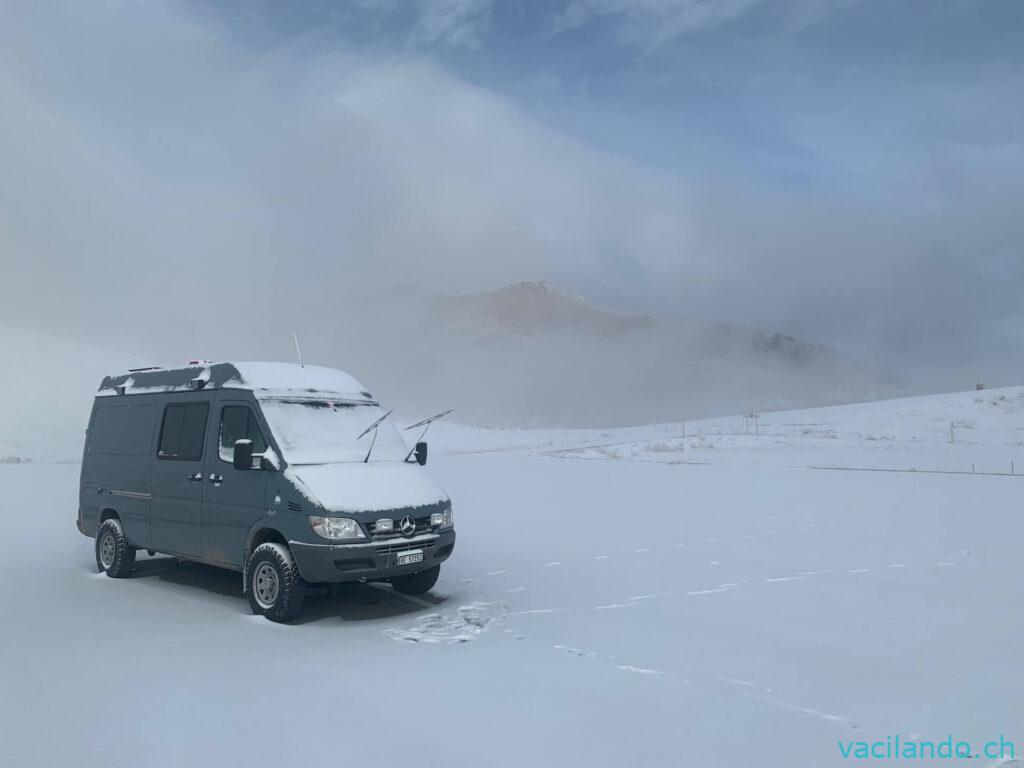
471	620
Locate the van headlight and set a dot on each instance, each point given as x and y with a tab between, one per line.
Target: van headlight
443	519
336	528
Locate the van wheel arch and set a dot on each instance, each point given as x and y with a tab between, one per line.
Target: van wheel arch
107	513
257	537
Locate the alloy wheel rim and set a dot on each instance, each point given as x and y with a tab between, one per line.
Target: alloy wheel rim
266	585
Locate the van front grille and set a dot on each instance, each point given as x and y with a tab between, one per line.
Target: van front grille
391	549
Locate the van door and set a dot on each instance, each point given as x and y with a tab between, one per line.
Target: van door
178	479
236	498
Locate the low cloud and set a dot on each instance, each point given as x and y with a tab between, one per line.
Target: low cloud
170	184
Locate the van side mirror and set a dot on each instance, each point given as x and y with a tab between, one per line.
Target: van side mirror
421	453
242	457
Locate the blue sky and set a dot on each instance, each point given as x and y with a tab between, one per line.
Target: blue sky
750	83
848	171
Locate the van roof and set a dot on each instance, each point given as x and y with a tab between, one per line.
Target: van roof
258	377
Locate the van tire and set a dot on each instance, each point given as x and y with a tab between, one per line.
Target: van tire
114	554
417	583
272	583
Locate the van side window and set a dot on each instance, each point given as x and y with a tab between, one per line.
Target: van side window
122	430
238	422
183	431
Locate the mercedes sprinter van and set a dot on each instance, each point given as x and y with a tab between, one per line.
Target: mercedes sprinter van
292	475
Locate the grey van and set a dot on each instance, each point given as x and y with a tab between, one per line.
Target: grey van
293	476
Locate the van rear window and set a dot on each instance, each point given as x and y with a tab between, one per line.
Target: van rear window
123	430
183	431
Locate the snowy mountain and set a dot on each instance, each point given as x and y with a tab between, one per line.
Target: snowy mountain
524	355
533	355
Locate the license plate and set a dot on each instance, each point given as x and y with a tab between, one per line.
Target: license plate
410	557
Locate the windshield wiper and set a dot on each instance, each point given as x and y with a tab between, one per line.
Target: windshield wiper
373	427
426	425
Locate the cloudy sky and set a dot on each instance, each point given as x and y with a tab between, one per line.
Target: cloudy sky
851	172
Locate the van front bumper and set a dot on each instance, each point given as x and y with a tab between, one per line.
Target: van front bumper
372	560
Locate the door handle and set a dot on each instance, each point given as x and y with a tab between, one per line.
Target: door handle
216	479
196	477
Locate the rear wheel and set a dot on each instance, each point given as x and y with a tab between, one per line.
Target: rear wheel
417	583
273	584
114	555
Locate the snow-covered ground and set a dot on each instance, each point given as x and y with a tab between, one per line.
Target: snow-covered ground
616	597
47	389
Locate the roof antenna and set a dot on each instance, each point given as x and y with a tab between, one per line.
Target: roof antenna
297	350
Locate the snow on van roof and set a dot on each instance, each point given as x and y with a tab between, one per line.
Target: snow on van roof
259	377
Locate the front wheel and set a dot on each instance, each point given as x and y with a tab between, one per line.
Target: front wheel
114	555
417	583
273	584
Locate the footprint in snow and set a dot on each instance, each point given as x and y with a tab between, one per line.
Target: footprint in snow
640	670
764	695
714	591
535	611
613	606
470	621
590	655
576	651
649	596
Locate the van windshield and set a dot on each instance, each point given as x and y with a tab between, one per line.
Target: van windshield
322	431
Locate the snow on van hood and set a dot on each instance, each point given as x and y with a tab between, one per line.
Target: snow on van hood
358	487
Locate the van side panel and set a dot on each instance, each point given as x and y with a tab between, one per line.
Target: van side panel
116	465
